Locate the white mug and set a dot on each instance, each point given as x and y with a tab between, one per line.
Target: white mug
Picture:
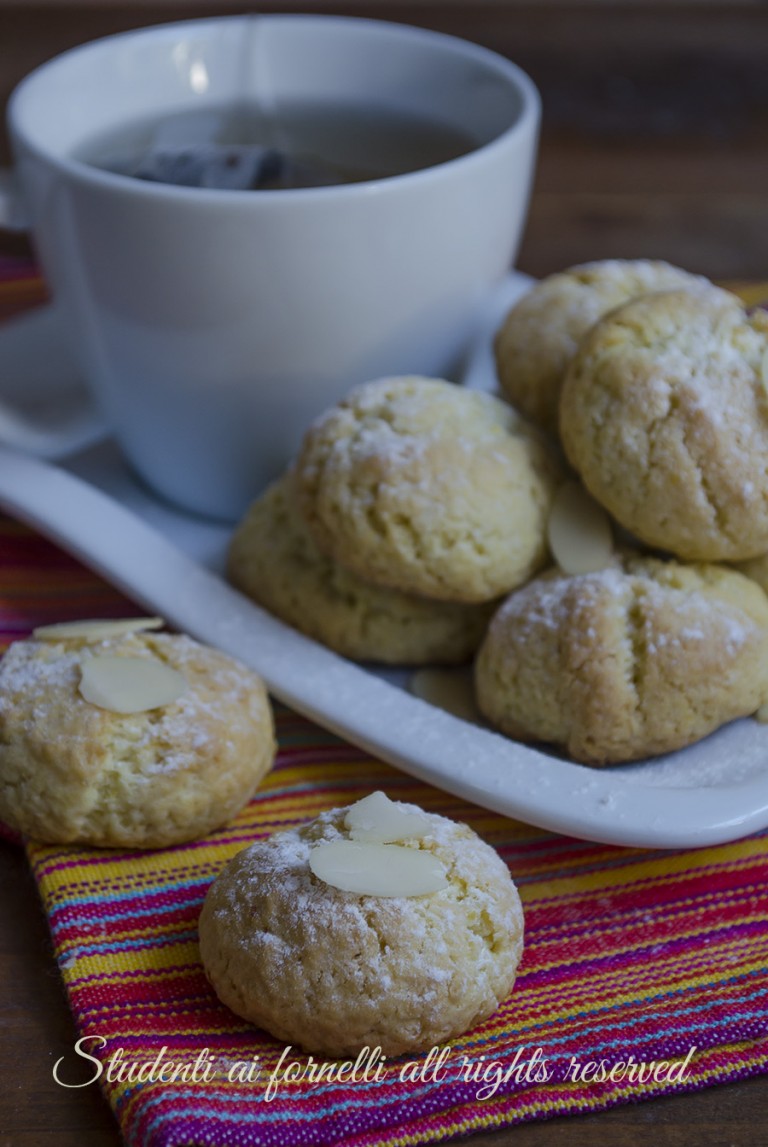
211	326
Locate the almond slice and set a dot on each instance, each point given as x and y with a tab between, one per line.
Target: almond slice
448	689
377	818
129	684
579	531
95	630
377	869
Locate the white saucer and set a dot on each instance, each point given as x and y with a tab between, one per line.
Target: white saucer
170	564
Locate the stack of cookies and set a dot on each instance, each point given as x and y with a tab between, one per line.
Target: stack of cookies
413	508
655	382
417	524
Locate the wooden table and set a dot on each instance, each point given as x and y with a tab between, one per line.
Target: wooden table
655	144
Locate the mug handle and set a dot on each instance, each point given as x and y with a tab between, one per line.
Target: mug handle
44	408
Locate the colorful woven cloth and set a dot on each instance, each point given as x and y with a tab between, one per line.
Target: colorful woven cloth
643	973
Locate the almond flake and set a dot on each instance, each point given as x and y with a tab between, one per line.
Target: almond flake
579	531
129	684
95	630
377	869
377	818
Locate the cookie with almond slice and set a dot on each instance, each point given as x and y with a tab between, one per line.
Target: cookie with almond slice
378	925
127	739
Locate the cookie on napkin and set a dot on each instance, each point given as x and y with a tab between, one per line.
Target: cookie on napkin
377	925
127	739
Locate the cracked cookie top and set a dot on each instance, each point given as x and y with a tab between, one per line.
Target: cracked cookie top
419	485
541	334
664	413
639	659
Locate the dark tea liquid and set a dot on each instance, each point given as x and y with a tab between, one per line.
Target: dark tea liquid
300	145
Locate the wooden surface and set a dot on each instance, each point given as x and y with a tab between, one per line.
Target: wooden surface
655	143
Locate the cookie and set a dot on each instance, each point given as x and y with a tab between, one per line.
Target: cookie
638	659
72	770
541	334
334	971
664	413
274	560
757	569
419	485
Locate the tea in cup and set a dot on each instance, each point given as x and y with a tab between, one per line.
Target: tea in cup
216	308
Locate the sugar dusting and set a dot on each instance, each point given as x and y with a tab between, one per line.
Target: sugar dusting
736	754
478	888
402	421
34	676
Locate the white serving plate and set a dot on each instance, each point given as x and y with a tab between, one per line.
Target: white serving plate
170	563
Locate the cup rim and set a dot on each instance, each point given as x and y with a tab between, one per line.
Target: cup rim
526	121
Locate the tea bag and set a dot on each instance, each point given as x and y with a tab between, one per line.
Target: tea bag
189	154
224	166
